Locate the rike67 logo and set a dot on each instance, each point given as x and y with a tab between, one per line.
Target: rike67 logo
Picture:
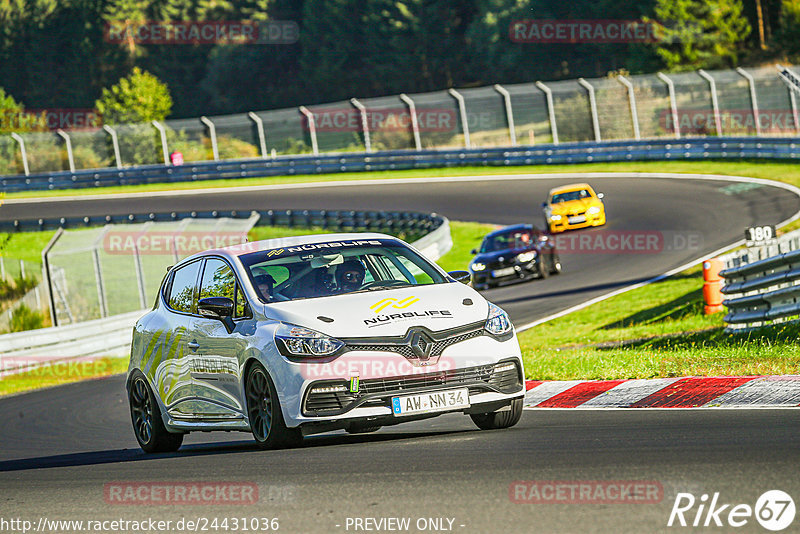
774	510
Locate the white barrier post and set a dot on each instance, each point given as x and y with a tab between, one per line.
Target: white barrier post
512	133
312	129
712	84
163	133
212	133
753	98
362	111
673	103
632	104
114	143
18	138
412	109
262	140
551	110
68	142
593	107
462	108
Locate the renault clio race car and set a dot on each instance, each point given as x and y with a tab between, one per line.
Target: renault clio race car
573	206
294	336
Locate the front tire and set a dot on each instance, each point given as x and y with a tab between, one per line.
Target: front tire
556	261
497	420
264	411
148	426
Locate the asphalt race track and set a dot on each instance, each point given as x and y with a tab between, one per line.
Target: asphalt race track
62	448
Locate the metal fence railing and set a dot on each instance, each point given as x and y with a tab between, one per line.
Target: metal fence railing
741	102
762	283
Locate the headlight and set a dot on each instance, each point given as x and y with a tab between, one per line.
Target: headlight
478	266
498	322
555	217
525	257
299	341
594	210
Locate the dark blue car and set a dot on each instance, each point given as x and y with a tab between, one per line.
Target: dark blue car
514	253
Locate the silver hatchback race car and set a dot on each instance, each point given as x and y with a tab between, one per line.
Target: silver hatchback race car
295	336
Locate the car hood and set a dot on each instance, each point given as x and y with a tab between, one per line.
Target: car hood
387	312
575	205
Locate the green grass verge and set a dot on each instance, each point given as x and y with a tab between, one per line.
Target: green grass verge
58	373
654	331
785	171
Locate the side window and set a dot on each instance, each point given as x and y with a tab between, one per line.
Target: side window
241	304
218	280
181	291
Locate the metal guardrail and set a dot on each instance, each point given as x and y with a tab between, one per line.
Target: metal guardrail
762	283
656	149
112	336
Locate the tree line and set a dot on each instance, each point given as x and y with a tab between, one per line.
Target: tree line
59	53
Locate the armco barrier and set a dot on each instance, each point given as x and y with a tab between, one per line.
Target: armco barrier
112	336
657	149
763	283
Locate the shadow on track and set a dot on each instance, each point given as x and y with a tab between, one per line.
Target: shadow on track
584	289
204	449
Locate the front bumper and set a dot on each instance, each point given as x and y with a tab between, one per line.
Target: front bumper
597	219
522	271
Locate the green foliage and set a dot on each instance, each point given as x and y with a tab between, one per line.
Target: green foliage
789	35
138	98
701	33
23	318
17	287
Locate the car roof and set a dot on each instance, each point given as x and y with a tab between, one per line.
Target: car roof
506	229
280	242
570	187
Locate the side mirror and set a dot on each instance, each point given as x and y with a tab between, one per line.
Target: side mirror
460	276
473	251
219	308
600	195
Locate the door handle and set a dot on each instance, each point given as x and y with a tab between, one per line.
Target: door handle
193	345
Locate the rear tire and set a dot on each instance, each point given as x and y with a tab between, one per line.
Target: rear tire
148	426
264	412
542	271
497	420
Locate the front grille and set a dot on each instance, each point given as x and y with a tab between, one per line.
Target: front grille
404	349
378	391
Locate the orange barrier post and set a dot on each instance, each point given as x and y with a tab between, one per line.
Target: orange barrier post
712	283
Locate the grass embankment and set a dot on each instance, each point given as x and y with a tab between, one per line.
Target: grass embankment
788	172
465	237
654	331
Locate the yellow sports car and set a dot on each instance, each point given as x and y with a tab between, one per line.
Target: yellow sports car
573	206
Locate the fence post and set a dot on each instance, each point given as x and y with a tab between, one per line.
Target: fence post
140	277
18	138
98	277
412	109
512	133
212	133
115	143
364	123
68	142
714	102
551	110
262	140
753	98
22	268
47	274
593	107
2	269
790	79
632	104
163	133
673	103
312	129
462	109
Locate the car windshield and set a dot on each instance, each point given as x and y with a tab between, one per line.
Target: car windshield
335	268
570	195
510	240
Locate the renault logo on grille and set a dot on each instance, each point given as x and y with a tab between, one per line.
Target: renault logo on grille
421	345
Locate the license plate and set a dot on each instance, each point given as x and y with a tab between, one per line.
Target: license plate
503	272
577	219
435	401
